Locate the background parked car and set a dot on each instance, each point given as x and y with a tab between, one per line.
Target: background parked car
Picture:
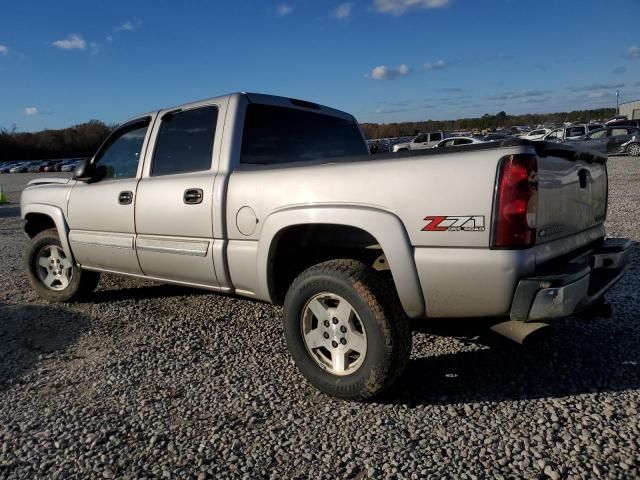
623	123
69	167
456	142
535	134
421	142
20	168
36	167
611	140
562	134
7	167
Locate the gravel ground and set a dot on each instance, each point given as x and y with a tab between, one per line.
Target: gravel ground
163	382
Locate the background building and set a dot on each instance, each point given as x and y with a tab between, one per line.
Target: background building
630	109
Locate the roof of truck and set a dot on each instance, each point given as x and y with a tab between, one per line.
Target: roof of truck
260	98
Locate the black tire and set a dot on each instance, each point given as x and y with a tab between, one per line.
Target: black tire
81	283
388	332
634	149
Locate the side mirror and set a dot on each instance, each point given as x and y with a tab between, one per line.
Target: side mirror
85	171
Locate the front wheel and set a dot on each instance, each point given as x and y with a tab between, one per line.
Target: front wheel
345	329
53	275
634	149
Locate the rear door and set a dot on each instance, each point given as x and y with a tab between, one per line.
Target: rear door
618	137
174	207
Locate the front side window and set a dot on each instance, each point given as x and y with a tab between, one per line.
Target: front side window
121	154
598	134
554	135
421	139
274	135
185	141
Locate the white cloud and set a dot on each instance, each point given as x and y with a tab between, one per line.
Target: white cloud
439	65
31	110
284	9
72	42
633	52
109	38
398	7
342	11
4	50
128	26
382	72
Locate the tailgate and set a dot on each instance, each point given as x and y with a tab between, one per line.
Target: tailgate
572	191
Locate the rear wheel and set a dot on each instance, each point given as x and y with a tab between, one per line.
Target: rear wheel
53	275
345	330
634	149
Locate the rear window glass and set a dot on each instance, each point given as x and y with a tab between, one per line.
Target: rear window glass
275	135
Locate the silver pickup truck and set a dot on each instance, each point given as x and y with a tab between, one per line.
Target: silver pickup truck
277	199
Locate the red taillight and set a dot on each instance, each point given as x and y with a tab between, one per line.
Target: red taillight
516	203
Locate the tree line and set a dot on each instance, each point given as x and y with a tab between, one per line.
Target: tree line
77	141
499	120
83	140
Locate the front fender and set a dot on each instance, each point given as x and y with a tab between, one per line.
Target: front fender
384	226
58	218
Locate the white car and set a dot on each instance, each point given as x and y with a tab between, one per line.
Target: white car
457	141
535	134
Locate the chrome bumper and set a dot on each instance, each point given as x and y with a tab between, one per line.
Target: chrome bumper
573	287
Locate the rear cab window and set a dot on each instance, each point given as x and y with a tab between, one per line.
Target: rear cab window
275	135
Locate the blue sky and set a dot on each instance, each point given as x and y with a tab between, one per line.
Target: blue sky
65	62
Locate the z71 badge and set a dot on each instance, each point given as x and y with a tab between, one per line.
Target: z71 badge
452	223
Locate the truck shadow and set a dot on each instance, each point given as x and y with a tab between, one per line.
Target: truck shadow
575	357
143	292
30	334
571	360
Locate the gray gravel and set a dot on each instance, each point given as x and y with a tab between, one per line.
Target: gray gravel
162	382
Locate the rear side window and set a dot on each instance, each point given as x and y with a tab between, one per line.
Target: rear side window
575	131
436	137
619	131
185	142
275	135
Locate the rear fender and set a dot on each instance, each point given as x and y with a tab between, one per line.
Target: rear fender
385	227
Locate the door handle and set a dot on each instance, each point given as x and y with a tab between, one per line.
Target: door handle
193	196
125	198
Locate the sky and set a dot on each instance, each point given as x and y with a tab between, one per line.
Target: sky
66	62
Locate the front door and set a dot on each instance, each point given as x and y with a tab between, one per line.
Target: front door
101	213
174	206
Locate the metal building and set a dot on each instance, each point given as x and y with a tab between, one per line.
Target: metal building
630	109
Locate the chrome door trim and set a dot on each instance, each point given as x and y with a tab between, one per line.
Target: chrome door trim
102	239
195	248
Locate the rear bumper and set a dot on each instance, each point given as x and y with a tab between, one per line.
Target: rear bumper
574	287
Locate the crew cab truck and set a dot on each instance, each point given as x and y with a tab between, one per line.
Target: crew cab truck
277	199
421	141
